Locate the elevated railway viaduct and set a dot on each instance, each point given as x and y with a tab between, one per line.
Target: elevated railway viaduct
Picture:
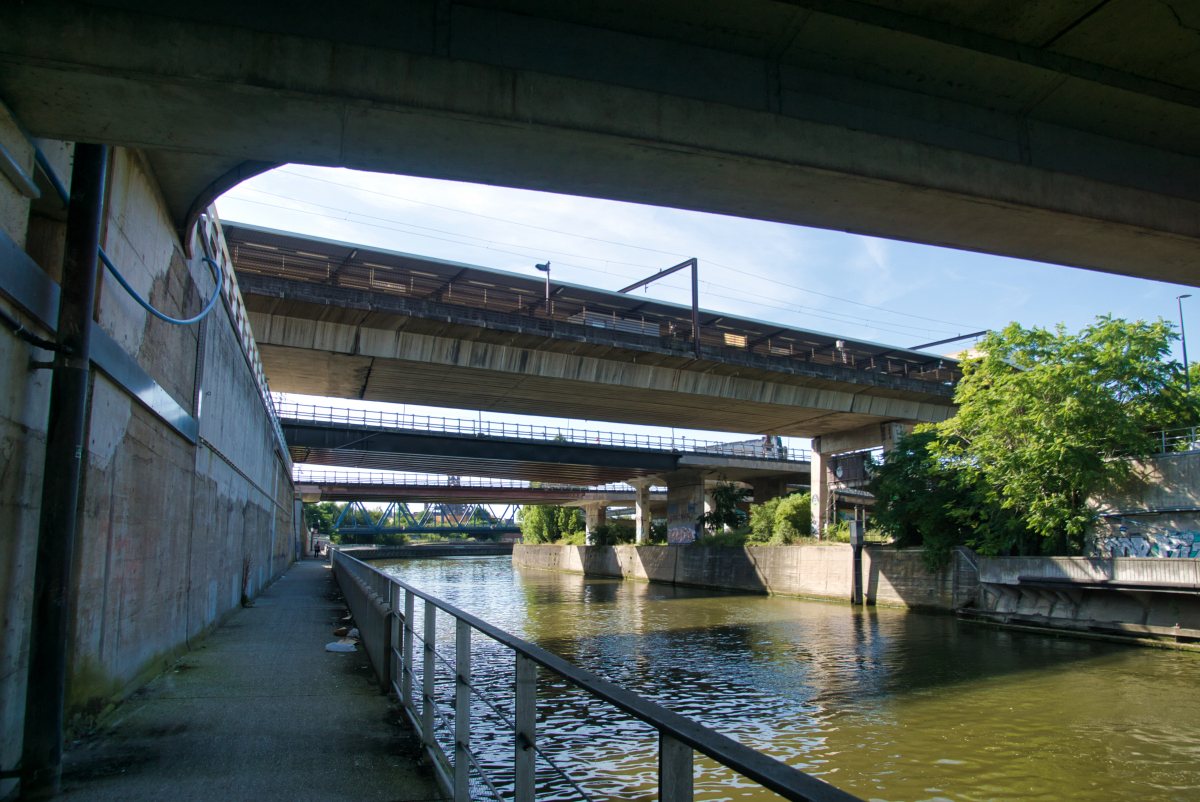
1062	132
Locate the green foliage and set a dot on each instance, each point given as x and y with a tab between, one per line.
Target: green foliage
921	500
1043	419
781	521
725	513
577	538
321	515
615	533
734	537
545	524
1040	439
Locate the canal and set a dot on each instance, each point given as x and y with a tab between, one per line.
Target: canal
884	703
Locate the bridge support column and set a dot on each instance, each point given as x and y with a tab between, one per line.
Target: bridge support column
685	505
820	488
595	514
824	448
641	507
768	487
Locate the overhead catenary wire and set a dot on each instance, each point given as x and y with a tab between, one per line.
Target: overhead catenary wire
614	242
800	310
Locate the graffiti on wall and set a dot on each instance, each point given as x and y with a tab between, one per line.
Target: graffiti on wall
1148	544
681	523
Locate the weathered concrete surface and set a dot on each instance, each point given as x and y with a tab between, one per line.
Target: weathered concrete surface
260	711
1034	130
1143	592
891	577
1159	506
333	358
171	533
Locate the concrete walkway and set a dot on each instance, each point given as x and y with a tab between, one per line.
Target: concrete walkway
260	711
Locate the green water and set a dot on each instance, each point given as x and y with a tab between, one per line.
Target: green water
883	703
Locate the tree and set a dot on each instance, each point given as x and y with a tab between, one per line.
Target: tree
322	515
1044	417
921	500
725	513
546	524
781	521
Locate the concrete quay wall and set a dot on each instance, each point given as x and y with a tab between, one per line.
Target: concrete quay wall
890	576
171	530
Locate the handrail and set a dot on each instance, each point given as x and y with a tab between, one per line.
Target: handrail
754	449
788	782
430	480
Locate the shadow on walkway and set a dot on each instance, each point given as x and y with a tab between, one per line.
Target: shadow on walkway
259	712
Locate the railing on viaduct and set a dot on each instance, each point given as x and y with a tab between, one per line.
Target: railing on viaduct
759	448
445	702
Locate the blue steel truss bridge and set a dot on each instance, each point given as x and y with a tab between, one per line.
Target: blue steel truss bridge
475	520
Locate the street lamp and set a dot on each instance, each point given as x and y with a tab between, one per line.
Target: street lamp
1187	377
546	269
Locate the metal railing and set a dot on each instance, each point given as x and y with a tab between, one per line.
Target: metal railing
524	431
1175	441
212	240
384	609
300	476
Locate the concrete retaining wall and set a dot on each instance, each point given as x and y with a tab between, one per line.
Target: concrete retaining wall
891	577
1148	593
167	528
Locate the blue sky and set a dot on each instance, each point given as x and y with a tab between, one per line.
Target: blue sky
892	292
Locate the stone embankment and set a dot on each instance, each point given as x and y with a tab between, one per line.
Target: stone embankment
890	576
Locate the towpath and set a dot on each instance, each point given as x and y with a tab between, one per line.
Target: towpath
259	711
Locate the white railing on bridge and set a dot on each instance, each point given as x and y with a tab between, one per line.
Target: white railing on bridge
475	707
1176	441
766	448
432	480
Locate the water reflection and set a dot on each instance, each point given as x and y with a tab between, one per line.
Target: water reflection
887	704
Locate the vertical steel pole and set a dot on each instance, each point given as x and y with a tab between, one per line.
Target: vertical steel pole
462	711
1187	376
696	306
393	629
42	747
428	675
674	770
406	679
525	725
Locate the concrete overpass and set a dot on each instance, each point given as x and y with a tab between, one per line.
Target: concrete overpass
424	489
1061	132
455	447
336	319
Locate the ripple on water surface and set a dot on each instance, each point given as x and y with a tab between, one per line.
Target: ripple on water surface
886	704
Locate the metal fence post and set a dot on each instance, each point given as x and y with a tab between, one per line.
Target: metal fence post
462	711
525	724
674	770
393	652
428	675
406	651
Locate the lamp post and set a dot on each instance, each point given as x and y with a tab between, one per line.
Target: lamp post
546	269
1187	378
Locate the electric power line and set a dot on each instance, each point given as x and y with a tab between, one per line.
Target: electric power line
799	310
613	242
541	254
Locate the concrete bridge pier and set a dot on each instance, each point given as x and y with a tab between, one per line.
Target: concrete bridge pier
595	514
686	502
766	488
826	447
641	509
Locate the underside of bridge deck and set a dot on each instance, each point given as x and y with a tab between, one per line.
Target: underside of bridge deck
1056	131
